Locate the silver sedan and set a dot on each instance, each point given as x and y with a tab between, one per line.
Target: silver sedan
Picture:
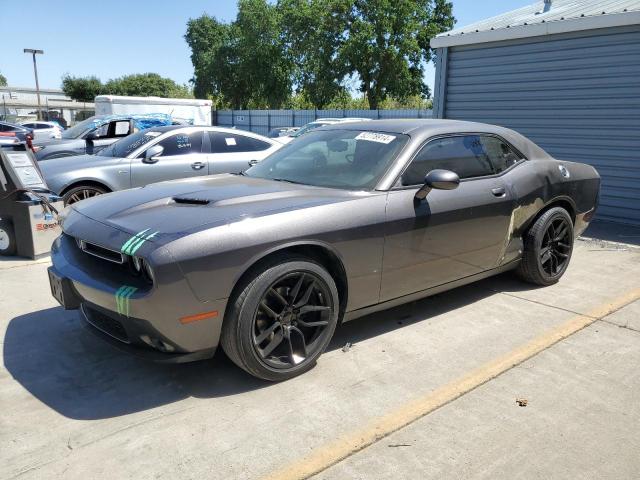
154	155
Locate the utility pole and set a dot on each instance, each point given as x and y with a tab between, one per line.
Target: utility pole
35	72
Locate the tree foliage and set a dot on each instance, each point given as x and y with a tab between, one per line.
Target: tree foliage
387	45
146	85
243	62
315	47
82	89
85	89
3	80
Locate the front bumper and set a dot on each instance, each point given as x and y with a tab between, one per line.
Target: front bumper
135	317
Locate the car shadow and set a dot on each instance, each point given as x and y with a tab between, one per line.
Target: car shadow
61	363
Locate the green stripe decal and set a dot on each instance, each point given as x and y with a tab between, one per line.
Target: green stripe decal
123	295
133	239
134	248
132	245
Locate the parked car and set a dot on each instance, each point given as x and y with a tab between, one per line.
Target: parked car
154	155
12	134
267	263
95	133
320	122
43	130
282	131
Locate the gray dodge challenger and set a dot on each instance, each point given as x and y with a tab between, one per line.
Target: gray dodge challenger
347	220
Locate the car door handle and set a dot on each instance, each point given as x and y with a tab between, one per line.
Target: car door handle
198	165
499	191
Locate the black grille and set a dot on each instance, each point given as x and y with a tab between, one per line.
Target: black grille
106	324
101	252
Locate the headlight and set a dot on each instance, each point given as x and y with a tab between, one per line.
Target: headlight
137	264
148	272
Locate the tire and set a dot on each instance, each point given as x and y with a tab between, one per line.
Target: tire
7	238
295	339
548	245
82	192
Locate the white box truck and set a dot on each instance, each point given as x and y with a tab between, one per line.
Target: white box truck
188	110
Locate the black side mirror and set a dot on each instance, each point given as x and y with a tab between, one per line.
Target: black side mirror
440	180
252	163
92	135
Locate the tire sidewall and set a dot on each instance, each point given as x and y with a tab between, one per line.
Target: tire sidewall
10	232
250	305
71	192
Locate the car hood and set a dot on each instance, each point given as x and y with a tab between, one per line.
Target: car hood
58	171
180	207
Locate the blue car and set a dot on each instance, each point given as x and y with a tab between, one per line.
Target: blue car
95	133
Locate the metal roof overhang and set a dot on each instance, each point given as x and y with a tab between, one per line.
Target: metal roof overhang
538	29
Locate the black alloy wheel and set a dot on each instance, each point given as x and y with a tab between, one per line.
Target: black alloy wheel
556	246
291	319
548	245
281	318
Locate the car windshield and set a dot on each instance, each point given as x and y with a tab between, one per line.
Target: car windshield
347	159
77	130
125	146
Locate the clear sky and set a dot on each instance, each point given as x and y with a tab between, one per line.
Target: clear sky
117	37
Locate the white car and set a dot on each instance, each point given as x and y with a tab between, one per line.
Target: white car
320	122
43	130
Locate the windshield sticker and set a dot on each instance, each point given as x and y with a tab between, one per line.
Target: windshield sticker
376	137
230	141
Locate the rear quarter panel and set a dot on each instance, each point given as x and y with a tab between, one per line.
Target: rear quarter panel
538	183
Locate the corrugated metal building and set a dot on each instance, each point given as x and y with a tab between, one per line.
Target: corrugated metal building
565	73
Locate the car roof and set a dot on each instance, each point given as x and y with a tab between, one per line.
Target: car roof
422	129
211	128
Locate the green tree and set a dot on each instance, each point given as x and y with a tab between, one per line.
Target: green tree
243	61
3	80
387	45
146	85
313	32
82	89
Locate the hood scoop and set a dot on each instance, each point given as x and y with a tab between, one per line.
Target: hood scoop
191	200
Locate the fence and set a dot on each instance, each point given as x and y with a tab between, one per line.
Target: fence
262	121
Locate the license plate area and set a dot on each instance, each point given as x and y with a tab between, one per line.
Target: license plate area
62	291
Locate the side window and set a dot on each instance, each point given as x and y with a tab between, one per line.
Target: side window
463	154
28	125
102	131
500	154
182	144
121	128
230	143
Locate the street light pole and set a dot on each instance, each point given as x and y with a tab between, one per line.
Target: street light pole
35	72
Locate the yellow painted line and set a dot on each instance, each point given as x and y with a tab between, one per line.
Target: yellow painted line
331	453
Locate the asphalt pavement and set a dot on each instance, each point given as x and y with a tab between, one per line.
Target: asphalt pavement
497	379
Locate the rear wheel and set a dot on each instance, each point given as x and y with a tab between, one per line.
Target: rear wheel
7	238
547	248
82	192
282	320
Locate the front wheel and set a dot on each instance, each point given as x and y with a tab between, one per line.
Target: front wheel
82	192
548	245
282	320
